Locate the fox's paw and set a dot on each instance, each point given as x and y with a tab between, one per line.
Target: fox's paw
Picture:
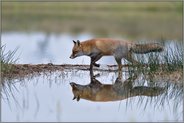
97	75
118	79
96	65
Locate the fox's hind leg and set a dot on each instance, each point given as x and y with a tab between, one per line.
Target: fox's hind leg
129	58
118	60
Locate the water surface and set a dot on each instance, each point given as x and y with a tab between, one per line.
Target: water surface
48	97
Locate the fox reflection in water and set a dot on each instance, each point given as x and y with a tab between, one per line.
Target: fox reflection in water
96	91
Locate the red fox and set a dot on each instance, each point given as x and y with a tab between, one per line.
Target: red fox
96	48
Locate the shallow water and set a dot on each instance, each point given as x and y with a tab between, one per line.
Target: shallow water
48	97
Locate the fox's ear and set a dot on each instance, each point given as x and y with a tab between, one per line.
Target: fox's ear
74	42
78	42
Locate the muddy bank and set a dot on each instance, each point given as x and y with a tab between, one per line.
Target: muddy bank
27	70
23	70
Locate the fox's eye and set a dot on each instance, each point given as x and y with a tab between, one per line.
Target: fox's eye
74	52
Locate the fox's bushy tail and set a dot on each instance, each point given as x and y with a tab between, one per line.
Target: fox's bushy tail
146	48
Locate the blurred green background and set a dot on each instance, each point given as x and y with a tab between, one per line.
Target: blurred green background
133	20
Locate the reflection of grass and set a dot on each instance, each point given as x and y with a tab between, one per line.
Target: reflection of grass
174	59
132	19
6	61
171	82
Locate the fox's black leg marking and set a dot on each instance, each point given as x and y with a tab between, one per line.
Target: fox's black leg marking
96	65
96	58
91	69
118	80
97	75
93	60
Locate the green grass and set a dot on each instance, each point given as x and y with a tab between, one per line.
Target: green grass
7	59
171	59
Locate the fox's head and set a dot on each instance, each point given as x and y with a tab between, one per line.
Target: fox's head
77	49
81	91
76	91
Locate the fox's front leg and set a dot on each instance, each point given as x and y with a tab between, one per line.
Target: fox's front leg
93	60
96	58
91	68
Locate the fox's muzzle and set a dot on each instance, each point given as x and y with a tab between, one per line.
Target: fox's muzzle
72	57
